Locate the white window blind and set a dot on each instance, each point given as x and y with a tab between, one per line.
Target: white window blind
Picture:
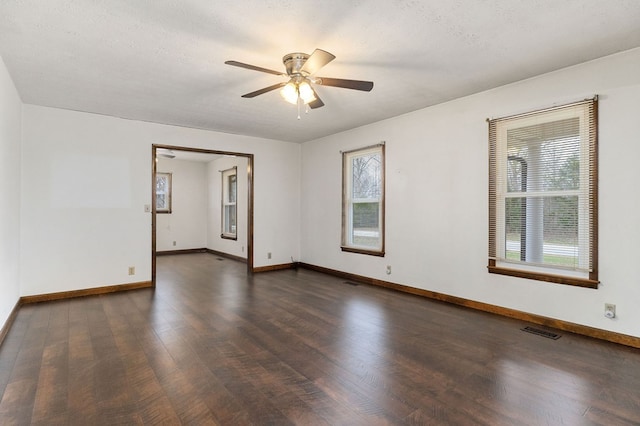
543	193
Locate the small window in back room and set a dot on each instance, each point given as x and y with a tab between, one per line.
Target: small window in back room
229	201
163	192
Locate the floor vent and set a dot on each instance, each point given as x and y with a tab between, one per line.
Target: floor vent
543	333
351	283
219	258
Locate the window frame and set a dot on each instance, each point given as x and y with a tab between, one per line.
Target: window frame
347	203
225	202
167	193
587	216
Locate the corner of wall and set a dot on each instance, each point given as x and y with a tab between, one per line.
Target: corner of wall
11	131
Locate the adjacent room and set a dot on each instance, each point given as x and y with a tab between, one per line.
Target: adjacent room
275	212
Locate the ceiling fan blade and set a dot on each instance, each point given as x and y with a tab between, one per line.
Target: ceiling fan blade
318	59
317	103
253	67
345	84
265	90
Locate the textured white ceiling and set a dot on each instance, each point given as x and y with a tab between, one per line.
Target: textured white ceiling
163	60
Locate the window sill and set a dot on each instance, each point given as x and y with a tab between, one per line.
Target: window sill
363	251
557	279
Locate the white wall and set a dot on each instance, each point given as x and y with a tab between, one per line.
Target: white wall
86	179
437	208
235	247
187	222
10	135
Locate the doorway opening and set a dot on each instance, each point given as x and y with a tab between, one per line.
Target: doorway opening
165	194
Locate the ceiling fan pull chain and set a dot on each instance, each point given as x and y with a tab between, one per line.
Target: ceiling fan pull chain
299	100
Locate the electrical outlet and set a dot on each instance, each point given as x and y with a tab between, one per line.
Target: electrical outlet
174	243
132	270
609	310
388	269
269	255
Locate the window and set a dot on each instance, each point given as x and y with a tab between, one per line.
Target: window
363	201
543	195
229	197
163	192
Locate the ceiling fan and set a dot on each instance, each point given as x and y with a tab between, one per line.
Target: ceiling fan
300	69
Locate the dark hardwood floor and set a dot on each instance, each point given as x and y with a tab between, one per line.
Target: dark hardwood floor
211	345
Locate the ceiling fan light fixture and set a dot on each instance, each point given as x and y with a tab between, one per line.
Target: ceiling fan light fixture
290	93
306	92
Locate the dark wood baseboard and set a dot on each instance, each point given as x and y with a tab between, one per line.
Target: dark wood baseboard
185	251
84	292
9	321
226	255
276	267
584	330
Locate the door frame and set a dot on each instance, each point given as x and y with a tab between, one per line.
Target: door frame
249	157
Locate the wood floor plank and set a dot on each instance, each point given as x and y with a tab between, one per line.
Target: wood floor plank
153	402
51	395
213	345
80	393
16	405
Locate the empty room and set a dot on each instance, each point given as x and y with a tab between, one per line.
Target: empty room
319	213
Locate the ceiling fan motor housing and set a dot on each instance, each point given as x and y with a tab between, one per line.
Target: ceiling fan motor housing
293	62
